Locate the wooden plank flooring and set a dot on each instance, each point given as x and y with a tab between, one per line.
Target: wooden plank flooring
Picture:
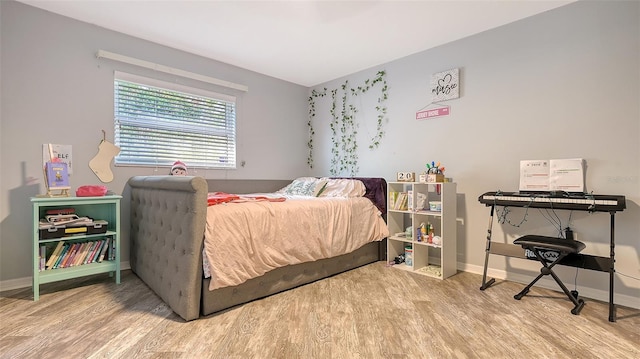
370	312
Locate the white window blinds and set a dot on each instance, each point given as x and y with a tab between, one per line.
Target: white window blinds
158	123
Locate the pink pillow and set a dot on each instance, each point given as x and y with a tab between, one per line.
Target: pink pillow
91	191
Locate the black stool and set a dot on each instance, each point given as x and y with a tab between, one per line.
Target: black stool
539	244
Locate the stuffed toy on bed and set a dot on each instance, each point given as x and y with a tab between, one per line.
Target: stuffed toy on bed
178	169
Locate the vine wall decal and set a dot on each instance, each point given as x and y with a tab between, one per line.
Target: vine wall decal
343	125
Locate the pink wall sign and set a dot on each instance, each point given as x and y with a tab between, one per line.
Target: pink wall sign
432	112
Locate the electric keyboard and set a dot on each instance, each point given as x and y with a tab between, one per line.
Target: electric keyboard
556	200
568	201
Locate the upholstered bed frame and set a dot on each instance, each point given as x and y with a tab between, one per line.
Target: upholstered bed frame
168	216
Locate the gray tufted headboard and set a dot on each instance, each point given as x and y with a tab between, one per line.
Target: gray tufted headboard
168	215
168	219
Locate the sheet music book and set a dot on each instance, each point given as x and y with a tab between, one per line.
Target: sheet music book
552	175
534	176
567	175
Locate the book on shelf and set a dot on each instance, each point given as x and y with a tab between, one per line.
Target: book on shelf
57	175
103	247
54	256
92	246
112	253
393	197
72	253
63	252
45	252
85	252
103	251
79	254
42	253
96	249
401	201
67	254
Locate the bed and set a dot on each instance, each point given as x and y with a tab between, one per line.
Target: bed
168	226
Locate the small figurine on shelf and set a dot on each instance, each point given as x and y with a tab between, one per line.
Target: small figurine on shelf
178	169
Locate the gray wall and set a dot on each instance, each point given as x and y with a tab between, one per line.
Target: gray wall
562	84
54	90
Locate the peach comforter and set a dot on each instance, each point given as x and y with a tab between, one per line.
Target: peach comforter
246	240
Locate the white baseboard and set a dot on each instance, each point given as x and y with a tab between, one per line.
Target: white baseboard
597	294
25	282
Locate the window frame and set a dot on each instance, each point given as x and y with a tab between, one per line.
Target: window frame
229	146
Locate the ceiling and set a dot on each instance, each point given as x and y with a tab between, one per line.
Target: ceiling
304	42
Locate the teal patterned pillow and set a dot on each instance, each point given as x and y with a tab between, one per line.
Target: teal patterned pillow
304	186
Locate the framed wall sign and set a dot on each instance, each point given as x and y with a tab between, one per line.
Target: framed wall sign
445	85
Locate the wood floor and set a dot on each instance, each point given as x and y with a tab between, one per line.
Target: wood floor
370	312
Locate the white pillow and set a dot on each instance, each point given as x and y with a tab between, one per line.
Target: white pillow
304	186
343	187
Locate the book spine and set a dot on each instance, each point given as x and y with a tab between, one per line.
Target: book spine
74	255
85	252
72	251
96	251
90	251
81	250
92	248
401	201
54	255
104	250
78	258
61	256
112	254
42	257
67	253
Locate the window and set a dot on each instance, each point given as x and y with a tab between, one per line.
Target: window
158	123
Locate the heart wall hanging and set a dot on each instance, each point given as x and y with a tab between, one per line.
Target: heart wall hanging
445	85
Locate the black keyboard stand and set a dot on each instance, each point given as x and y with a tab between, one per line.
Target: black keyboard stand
586	261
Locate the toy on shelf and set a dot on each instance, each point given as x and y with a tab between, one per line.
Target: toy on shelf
434	173
435	168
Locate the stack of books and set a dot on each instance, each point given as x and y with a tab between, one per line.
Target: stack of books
399	201
69	254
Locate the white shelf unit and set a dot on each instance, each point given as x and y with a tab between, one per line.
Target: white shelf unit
438	261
